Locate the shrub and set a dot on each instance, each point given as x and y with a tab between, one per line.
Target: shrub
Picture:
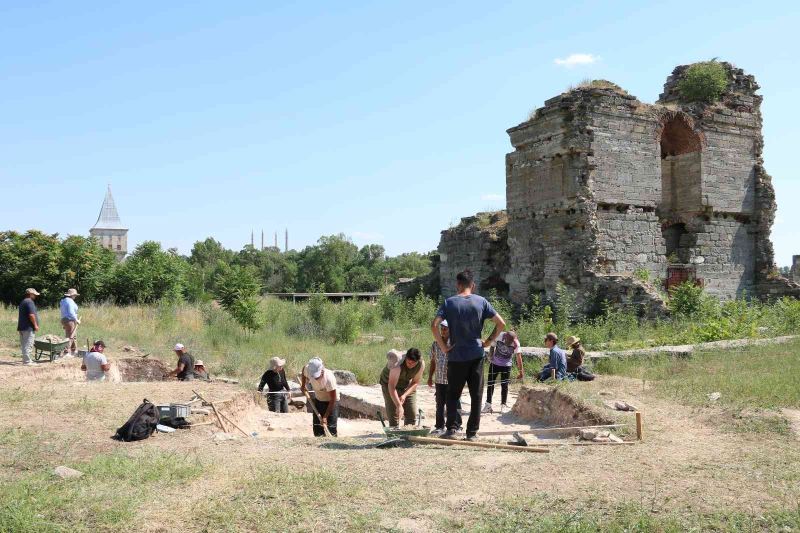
642	274
686	300
390	306
319	309
347	323
421	310
704	82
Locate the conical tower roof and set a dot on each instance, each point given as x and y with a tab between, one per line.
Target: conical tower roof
108	217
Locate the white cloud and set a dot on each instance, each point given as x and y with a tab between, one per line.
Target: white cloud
493	197
573	60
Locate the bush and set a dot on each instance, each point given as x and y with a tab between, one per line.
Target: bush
421	310
347	322
319	309
390	306
704	82
686	300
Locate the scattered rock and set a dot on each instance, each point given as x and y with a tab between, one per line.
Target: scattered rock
714	396
605	393
345	377
588	434
614	438
620	405
65	472
129	349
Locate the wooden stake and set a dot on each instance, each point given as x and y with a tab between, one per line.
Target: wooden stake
314	408
585	443
235	424
447	442
638	425
553	374
213	408
193	425
546	430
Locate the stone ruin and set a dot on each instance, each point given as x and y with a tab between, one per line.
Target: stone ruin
794	273
620	200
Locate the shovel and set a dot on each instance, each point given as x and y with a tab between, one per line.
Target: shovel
314	409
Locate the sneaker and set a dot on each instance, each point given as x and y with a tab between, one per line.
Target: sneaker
30	363
67	356
463	412
471	438
437	432
450	434
487	408
503	408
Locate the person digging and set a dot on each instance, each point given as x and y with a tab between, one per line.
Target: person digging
399	385
184	369
323	382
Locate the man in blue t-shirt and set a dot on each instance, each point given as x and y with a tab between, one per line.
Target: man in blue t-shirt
465	313
557	360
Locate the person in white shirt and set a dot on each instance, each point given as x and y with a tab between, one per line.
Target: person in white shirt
95	363
323	381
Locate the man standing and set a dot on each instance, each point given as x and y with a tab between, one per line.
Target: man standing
323	382
184	370
95	363
70	320
557	360
465	313
28	325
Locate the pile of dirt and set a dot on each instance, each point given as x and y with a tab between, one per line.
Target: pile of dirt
551	407
138	369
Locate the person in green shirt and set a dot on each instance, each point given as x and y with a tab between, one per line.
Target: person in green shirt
399	385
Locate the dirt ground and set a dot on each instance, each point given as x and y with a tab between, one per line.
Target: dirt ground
687	461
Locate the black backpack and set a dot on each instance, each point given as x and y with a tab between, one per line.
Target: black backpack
141	424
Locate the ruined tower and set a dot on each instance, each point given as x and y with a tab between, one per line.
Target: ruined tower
108	229
617	198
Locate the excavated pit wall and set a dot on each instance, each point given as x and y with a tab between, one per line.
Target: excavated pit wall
550	407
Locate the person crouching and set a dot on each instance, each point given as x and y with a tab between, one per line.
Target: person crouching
399	386
95	363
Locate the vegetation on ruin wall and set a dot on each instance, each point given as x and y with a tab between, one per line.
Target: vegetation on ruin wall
357	335
703	82
151	274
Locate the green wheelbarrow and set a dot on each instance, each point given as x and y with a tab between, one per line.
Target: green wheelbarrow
52	349
396	436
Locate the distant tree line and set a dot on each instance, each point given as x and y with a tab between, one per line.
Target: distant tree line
149	274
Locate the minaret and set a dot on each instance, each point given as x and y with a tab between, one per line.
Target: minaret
252	242
286	241
276	239
108	230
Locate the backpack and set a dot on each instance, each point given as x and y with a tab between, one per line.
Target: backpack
141	424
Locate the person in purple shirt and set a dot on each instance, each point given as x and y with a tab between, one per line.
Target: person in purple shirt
465	314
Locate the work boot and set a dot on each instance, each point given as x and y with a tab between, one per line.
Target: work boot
450	434
487	408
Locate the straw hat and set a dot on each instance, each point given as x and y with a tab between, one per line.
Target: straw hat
394	358
32	291
71	293
199	362
571	340
275	362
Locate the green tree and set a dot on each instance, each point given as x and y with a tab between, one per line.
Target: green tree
87	266
150	274
30	259
237	291
704	82
325	265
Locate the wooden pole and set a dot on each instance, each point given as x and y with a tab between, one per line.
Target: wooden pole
213	408
447	442
314	408
583	443
546	430
235	425
638	425
553	374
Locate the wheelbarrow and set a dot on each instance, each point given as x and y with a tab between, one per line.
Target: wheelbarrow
53	349
397	435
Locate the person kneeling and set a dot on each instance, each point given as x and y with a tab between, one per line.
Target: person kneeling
399	386
575	368
95	363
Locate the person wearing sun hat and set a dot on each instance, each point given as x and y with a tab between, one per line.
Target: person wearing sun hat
323	382
277	386
200	371
70	320
28	325
575	360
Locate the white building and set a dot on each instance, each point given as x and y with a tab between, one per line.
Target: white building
108	229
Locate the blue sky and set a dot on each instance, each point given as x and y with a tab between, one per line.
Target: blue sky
385	121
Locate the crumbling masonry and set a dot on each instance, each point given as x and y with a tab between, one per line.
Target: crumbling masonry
619	199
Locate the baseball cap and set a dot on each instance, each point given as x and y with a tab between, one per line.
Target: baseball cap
315	367
179	346
443	324
31	290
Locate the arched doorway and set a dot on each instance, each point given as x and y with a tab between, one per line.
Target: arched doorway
681	166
